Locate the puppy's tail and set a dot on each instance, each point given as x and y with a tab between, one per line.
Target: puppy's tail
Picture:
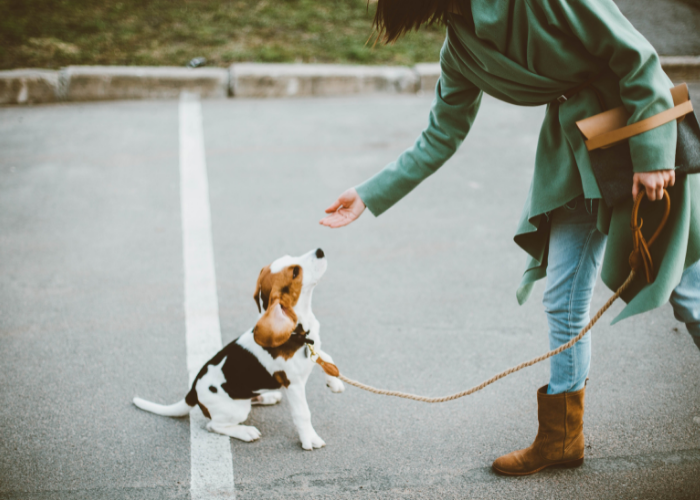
179	409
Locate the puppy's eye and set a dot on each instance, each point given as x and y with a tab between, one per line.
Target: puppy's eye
295	272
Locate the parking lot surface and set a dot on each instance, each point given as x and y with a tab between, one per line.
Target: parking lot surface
421	299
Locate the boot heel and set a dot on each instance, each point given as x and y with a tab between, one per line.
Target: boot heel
572	465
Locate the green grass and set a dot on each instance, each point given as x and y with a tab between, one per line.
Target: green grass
55	33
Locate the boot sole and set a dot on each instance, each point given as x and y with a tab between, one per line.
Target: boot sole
563	465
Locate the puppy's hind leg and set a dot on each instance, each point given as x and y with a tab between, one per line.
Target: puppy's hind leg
268	398
226	419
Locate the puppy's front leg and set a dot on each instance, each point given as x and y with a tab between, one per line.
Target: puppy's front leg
334	383
296	393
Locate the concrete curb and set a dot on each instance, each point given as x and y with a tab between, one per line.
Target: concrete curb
98	83
28	86
101	83
682	68
294	80
428	75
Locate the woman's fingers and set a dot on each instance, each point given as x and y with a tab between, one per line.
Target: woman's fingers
654	191
651	191
335	206
653	183
337	219
344	200
338	222
348	207
635	187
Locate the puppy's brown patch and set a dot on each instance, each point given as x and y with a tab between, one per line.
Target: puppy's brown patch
192	400
284	286
205	411
295	342
281	378
277	293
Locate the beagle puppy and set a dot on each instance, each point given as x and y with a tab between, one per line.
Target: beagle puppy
270	357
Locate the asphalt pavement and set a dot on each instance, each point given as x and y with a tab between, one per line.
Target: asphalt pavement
421	299
671	26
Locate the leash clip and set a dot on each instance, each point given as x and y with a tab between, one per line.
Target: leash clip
312	350
329	368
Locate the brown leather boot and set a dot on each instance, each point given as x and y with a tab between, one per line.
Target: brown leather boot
559	439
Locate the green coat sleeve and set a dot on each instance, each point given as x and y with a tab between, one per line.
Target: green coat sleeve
644	87
451	116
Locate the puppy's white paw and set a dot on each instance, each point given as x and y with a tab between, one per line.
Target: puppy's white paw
312	441
335	384
252	433
268	398
245	433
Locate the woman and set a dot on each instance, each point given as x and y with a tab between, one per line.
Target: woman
534	52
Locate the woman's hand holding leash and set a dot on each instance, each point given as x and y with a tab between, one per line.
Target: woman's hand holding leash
348	207
653	182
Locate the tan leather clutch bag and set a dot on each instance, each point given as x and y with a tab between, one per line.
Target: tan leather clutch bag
609	153
610	127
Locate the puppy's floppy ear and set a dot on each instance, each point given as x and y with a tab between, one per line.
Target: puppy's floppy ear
275	326
261	297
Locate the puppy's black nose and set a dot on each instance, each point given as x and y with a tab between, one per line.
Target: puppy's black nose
319	253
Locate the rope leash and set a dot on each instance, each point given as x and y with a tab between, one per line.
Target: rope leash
640	259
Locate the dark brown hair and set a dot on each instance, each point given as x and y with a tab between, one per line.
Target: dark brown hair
397	17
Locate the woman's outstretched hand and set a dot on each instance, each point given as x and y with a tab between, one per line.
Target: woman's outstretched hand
348	207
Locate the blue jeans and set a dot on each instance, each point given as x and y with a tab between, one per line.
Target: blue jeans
575	254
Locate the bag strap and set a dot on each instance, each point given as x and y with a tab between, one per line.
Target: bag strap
612	124
615	136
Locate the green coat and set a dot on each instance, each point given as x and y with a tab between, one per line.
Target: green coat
529	52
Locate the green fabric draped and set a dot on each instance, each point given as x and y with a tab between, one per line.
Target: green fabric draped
528	53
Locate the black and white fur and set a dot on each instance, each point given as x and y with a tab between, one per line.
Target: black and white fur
244	373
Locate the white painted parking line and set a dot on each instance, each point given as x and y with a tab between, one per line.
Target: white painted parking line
211	460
